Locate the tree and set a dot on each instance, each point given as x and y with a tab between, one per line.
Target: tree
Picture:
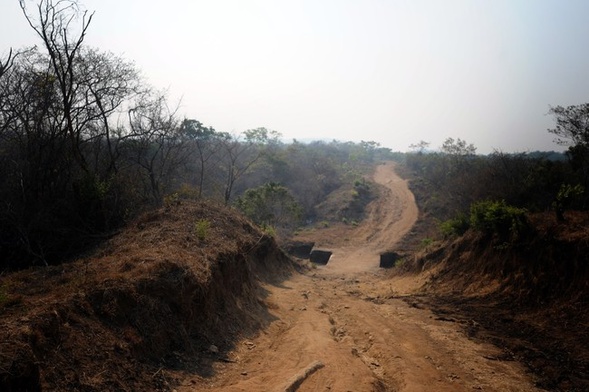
60	137
53	24
572	129
206	141
261	136
33	138
458	147
155	143
364	152
572	124
6	63
270	205
5	66
241	154
420	146
105	84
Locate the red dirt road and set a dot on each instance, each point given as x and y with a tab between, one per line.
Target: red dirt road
345	327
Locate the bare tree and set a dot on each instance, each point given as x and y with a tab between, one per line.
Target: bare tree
241	154
155	143
572	130
206	143
53	21
420	147
59	134
106	83
5	66
7	62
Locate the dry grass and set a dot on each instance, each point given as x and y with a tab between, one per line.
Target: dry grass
129	315
530	298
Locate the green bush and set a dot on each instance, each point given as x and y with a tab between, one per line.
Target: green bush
361	188
269	230
497	217
426	242
567	195
270	204
201	229
456	226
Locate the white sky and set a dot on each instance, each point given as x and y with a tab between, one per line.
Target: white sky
391	71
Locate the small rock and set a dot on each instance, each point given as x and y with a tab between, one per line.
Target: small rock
250	345
213	349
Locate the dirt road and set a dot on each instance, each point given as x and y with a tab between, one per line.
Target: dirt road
344	327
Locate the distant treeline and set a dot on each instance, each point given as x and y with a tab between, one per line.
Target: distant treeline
456	178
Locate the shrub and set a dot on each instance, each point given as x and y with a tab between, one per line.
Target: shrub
324	224
361	188
497	217
187	191
567	195
270	204
269	230
426	243
456	226
172	199
201	229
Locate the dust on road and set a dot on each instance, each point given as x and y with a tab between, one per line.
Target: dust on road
344	327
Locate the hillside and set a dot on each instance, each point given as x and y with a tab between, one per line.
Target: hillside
193	297
529	299
349	325
525	295
175	290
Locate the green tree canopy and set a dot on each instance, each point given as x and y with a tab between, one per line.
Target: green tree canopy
270	204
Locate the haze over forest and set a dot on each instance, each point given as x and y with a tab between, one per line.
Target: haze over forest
395	72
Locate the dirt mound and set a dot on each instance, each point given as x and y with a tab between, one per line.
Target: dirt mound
529	298
174	291
548	264
348	203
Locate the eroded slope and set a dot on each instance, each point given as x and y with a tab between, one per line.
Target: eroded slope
174	291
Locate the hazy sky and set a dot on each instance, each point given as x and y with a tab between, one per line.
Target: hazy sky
391	71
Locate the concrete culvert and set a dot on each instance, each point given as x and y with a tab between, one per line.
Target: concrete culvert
320	256
388	259
299	249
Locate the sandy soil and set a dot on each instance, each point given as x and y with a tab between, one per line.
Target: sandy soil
345	327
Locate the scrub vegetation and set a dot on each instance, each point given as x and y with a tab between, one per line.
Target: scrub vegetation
132	236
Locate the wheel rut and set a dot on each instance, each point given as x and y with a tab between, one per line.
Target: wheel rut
352	321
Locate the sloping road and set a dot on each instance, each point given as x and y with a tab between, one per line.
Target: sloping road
344	327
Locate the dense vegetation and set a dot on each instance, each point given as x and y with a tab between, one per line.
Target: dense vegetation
487	191
86	144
